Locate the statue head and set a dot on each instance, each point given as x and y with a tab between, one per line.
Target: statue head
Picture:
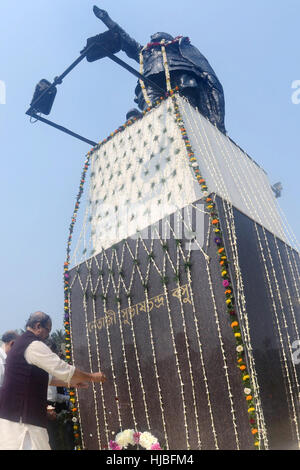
157	37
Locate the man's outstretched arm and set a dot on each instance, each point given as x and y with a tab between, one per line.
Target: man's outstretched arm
80	379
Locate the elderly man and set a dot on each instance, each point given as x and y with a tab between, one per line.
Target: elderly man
8	340
23	397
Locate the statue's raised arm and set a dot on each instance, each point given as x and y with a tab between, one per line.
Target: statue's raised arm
128	45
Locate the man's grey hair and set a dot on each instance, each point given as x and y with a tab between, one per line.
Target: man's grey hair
9	336
37	317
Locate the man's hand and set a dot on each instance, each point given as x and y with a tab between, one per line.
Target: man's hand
101	14
81	378
98	377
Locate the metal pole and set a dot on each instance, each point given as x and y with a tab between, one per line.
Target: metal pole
58	80
63	129
133	71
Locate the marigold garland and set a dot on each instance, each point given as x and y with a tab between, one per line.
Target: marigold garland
68	356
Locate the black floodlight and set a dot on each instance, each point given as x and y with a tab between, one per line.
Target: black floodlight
47	94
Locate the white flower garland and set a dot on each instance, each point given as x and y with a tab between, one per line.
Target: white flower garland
166	67
143	87
163	44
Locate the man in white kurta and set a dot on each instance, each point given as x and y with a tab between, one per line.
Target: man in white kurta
23	436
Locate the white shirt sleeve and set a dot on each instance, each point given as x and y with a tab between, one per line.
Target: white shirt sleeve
2	365
38	354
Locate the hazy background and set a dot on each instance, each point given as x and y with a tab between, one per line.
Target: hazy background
254	49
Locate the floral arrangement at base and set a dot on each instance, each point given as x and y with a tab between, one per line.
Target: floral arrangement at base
130	437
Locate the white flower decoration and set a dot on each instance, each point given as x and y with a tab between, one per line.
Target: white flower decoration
147	440
123	439
247	391
129	436
240	348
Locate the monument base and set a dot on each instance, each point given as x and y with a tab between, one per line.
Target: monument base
151	314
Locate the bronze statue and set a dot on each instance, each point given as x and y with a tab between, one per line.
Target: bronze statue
189	70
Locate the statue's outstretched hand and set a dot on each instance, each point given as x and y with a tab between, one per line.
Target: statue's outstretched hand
101	14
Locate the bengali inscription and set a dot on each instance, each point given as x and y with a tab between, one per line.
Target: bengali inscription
182	293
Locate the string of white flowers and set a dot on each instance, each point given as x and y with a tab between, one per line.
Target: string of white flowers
257	181
99	361
244	323
156	371
230	395
230	158
188	351
209	403
203	145
77	257
295	266
122	340
259	196
166	65
221	183
142	83
128	291
230	223
75	419
289	230
282	348
210	407
229	391
290	306
241	302
104	295
152	345
295	277
225	365
196	323
290	302
84	290
210	156
189	225
285	327
163	275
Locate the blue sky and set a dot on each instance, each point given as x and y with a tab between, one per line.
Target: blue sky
254	49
